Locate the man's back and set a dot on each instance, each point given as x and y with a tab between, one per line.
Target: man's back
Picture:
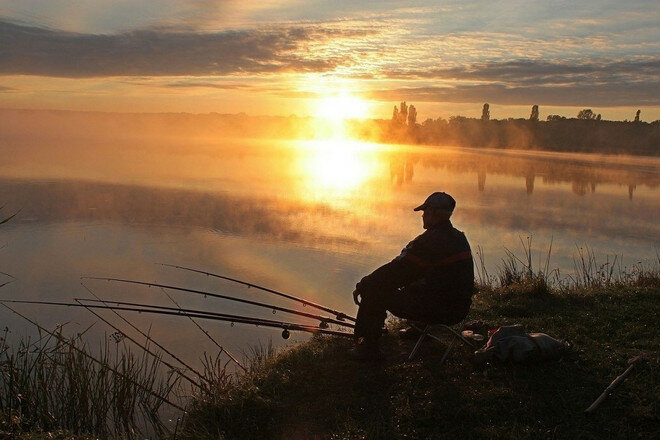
446	269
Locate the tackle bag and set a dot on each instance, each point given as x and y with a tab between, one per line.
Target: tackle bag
512	343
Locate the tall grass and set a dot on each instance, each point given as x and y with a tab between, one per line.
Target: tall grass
56	383
232	405
591	273
517	272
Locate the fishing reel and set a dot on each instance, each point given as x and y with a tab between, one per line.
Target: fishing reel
285	334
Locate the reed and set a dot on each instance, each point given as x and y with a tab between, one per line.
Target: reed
59	383
590	273
234	407
518	273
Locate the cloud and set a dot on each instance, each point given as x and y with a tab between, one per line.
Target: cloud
29	50
606	95
422	66
208	84
538	71
524	82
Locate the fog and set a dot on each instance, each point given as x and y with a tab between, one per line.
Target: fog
111	195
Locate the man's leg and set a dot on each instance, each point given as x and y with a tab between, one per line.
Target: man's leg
371	315
408	304
369	326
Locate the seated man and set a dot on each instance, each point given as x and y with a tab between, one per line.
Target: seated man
432	280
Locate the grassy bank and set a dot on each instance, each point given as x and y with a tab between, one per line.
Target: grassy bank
315	391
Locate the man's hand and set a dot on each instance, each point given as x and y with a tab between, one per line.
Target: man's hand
356	296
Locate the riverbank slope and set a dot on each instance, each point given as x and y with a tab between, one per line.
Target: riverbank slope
315	391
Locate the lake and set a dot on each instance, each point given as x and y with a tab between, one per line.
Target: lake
308	218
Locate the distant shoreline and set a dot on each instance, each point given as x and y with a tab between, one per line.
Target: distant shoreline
636	138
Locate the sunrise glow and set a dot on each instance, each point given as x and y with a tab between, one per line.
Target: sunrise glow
342	106
336	166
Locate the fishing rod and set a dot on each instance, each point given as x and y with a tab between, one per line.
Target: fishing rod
286	327
192	312
324	320
339	315
150	308
146	336
167	364
208	335
92	358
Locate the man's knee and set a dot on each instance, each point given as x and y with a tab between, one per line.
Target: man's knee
373	296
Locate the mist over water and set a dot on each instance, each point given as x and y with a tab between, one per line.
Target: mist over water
306	217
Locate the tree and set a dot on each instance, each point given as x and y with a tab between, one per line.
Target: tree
535	113
403	113
586	113
637	115
412	115
395	114
485	112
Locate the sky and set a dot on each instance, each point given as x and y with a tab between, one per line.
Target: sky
286	57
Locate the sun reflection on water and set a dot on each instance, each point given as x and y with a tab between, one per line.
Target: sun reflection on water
333	169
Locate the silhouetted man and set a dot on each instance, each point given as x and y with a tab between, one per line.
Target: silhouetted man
432	280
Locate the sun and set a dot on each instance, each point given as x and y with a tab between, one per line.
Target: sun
342	105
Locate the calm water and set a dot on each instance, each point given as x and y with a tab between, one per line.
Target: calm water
308	218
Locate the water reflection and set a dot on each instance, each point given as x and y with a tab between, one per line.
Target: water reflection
578	170
402	169
334	168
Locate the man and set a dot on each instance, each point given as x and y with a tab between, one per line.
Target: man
432	280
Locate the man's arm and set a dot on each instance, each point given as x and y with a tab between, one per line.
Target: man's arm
397	273
409	266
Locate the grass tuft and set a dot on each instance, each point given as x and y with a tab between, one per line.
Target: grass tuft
57	384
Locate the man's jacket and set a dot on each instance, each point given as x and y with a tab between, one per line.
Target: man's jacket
437	266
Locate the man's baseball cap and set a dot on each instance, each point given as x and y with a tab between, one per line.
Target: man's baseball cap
439	200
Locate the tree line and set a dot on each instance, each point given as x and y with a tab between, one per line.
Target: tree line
587	132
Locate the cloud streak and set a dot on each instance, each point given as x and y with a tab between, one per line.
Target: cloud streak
594	82
538	71
35	51
569	95
207	84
